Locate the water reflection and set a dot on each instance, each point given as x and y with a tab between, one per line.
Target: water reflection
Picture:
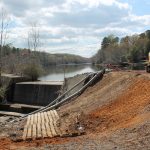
57	73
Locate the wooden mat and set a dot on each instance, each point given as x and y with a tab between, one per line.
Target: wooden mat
41	125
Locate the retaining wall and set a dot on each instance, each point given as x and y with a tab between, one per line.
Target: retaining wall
9	81
36	93
71	81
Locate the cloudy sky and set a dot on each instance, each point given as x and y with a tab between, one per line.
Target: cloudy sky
75	26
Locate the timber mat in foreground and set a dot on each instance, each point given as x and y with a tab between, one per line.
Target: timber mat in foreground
41	125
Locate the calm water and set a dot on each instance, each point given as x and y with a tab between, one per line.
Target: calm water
57	73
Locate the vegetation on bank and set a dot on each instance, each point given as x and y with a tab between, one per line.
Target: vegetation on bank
130	49
21	59
33	71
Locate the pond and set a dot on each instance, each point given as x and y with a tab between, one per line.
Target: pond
58	73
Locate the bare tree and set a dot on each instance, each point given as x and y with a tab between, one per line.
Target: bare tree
34	37
33	67
4	22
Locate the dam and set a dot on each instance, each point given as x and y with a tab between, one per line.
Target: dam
37	93
24	96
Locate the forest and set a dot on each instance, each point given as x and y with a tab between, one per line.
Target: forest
131	49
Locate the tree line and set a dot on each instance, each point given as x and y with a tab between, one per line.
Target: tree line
117	50
14	60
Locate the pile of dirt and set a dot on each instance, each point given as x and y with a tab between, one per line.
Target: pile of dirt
118	104
103	92
127	109
96	96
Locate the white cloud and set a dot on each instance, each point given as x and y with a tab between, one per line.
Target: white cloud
145	19
96	3
74	26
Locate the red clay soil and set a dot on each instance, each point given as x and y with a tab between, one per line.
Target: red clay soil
7	144
126	110
103	92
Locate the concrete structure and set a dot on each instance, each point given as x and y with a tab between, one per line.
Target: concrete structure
9	81
21	90
37	93
71	81
20	108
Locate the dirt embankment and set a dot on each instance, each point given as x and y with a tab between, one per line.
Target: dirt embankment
100	94
115	114
118	103
130	108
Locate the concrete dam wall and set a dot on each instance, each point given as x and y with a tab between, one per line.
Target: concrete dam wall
71	81
36	93
40	93
9	81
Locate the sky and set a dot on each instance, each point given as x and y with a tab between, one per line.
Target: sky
74	26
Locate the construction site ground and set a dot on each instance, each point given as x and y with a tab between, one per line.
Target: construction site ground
114	114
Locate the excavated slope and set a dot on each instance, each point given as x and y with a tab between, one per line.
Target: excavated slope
115	113
120	100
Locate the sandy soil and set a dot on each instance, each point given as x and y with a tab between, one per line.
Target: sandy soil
115	114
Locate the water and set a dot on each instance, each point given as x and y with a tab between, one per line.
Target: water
57	73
